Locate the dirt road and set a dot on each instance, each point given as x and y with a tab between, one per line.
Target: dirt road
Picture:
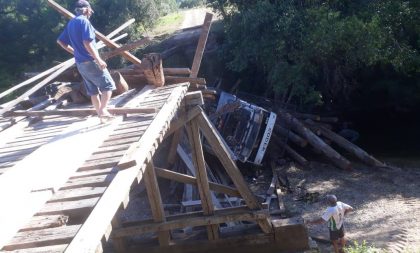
193	17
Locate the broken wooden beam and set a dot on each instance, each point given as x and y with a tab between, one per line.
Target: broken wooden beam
181	79
125	47
202	180
155	201
217	218
187	179
201	45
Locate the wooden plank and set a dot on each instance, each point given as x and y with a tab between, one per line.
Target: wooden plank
187	179
33	79
176	71
201	45
126	47
13	131
43	222
202	180
182	119
94	181
44	237
130	159
51	70
77	194
56	73
99	35
216	142
80	112
155	200
47	249
190	221
12	219
97	223
181	79
120	28
70	208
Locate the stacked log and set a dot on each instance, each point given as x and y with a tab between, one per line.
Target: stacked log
293	132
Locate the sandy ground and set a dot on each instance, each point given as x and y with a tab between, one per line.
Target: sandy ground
386	202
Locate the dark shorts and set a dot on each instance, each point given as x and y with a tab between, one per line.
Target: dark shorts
96	80
337	234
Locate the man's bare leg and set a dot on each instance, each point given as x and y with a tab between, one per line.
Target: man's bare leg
336	246
342	244
96	102
105	97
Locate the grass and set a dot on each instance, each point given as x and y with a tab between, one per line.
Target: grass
361	248
366	248
168	23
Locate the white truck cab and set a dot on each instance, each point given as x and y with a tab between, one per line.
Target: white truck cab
245	127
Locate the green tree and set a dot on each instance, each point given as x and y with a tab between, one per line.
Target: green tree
311	52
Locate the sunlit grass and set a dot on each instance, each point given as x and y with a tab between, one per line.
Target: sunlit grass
168	23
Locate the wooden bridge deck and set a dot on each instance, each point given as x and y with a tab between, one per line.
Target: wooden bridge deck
63	179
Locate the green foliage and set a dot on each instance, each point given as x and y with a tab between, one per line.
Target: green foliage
310	52
361	248
191	3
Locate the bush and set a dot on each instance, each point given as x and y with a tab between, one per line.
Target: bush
191	3
361	248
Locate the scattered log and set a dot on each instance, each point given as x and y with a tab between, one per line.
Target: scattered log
351	147
315	141
290	135
329	119
306	116
120	83
176	71
180	79
295	155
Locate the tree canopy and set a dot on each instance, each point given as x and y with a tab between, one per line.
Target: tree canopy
312	52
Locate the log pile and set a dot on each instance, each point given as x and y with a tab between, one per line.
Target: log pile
296	134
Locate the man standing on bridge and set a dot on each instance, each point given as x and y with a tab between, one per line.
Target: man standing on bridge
78	38
334	215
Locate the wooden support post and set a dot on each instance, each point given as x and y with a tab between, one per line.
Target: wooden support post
119	244
99	35
201	45
172	150
202	180
155	201
215	140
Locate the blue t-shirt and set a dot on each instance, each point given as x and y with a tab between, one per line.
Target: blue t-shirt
79	29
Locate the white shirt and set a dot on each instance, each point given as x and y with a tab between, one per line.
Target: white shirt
334	215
